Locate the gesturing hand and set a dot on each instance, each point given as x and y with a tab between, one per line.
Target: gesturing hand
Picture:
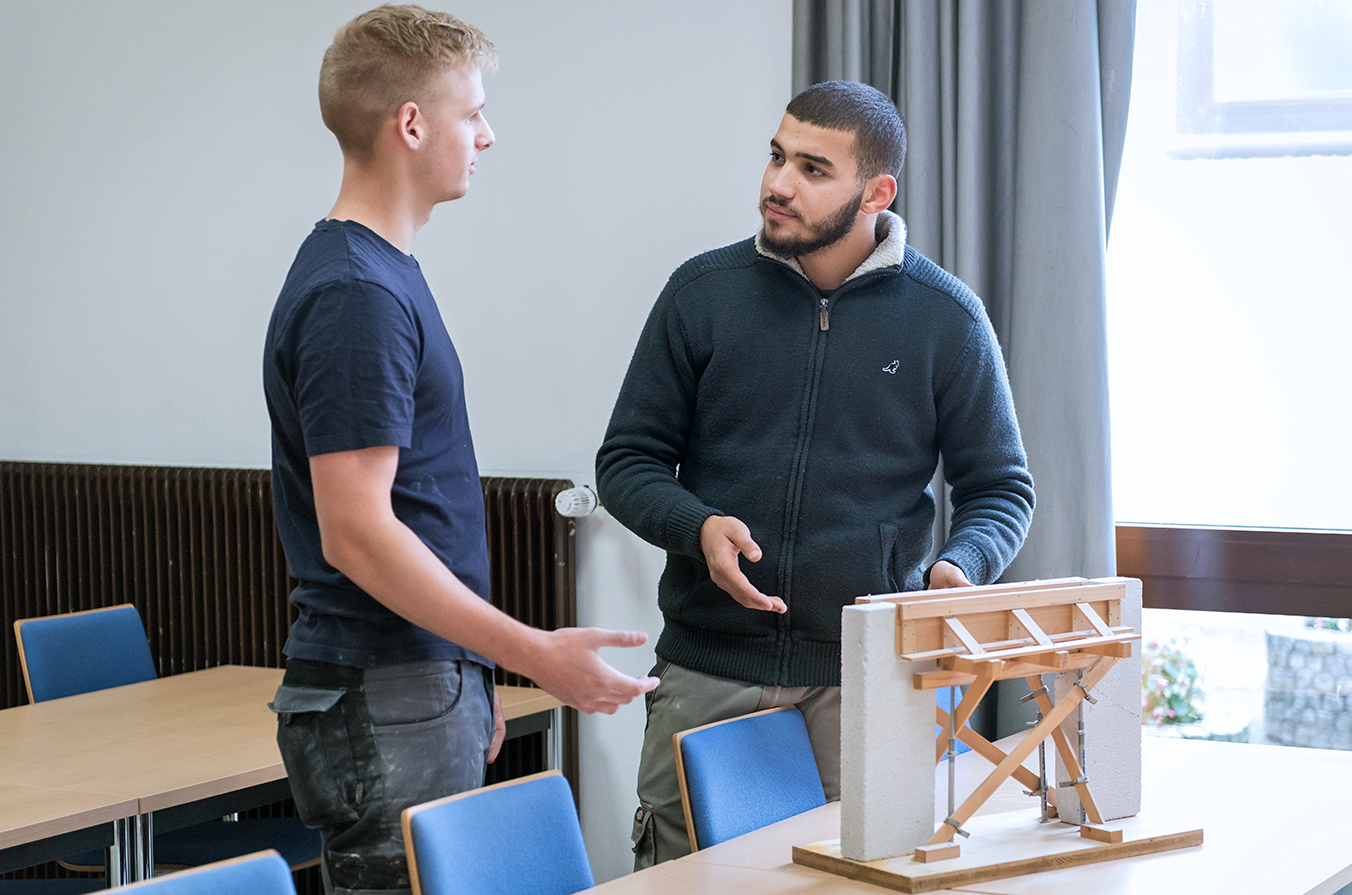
569	667
723	539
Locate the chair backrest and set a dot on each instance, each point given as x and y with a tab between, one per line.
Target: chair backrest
522	835
62	655
745	773
260	873
947	698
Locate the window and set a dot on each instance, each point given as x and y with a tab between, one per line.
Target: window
1230	319
1262	78
1230	312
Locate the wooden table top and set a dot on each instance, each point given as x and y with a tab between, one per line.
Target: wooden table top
71	763
1272	818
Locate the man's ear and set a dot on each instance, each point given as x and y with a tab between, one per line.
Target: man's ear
879	192
411	125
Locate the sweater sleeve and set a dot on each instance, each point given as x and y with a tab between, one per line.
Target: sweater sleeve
984	460
645	443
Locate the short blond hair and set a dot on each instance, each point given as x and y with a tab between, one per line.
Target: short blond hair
385	58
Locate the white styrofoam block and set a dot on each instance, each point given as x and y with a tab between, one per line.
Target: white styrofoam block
1112	742
886	741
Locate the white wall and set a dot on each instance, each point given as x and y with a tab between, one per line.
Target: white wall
162	161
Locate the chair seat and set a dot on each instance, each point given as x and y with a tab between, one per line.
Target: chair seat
206	843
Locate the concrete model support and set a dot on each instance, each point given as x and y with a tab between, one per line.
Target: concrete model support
1112	726
886	740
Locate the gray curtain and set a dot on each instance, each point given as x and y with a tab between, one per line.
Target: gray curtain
1015	114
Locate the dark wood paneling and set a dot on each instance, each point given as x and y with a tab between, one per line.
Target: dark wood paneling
196	551
1267	571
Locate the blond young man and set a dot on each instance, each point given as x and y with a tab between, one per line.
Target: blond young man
388	699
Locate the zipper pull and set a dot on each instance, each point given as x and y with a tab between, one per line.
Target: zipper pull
825	318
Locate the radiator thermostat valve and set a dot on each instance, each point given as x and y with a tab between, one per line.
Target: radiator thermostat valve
576	501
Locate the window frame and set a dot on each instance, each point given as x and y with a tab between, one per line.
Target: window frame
1210	128
1254	570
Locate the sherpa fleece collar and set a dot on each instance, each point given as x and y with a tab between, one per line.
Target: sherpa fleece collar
891	235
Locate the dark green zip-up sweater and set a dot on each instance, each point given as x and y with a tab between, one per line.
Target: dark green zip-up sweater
818	419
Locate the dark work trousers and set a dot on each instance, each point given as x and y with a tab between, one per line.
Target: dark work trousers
361	745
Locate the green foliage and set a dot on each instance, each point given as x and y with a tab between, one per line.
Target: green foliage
1171	691
1329	624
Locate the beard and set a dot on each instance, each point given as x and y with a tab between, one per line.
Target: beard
820	234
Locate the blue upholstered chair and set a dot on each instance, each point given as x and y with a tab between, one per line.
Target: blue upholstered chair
518	836
79	652
745	773
260	873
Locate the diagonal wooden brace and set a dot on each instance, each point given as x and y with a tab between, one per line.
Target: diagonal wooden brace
1050	721
986	677
1067	752
994	754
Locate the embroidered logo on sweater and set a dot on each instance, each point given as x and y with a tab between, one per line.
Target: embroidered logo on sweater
892	367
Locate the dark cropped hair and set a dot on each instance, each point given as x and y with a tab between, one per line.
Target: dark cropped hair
879	134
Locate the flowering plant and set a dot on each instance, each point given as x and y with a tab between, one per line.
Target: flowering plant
1171	691
1329	624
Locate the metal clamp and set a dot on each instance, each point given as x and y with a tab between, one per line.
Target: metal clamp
1040	691
957	829
1076	782
1090	699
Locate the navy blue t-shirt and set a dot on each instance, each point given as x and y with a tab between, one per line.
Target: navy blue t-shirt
357	356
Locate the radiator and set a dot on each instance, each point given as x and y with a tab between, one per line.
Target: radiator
196	551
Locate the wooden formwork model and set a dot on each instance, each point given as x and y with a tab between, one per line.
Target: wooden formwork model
973	637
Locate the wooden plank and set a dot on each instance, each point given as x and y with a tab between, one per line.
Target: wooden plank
958	630
989	625
931	680
956	604
966	707
1120	650
1100	833
1097	623
991	752
1023	625
1061	637
913	595
1028	653
1022	592
1068	754
928	854
1050	721
1002	845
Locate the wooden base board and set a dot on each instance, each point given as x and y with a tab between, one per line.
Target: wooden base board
1001	845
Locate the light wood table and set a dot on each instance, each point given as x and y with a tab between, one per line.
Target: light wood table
1274	822
94	769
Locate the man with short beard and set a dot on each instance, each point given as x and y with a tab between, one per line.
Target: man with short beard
784	413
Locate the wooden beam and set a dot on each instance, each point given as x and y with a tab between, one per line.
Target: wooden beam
1050	721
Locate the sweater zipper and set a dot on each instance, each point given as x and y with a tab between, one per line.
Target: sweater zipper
825	314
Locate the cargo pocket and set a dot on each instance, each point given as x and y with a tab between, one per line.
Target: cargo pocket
313	739
645	846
